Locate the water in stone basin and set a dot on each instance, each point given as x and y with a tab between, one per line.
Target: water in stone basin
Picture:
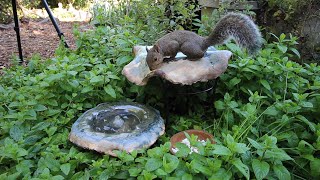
115	121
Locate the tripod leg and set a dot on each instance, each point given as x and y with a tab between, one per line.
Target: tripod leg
60	34
16	28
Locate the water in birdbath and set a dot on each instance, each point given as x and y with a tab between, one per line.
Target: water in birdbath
115	121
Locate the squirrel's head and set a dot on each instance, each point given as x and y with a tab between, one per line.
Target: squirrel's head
154	57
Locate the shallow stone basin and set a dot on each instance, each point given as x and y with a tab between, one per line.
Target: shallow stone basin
117	126
180	71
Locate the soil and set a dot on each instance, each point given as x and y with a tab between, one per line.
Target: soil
37	37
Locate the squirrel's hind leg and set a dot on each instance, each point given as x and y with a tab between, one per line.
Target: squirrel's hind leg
192	51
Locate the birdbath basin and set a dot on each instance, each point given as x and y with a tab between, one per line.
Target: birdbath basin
117	126
180	71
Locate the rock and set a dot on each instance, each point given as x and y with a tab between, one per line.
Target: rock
181	71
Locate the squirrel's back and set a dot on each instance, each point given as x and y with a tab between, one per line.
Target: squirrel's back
181	36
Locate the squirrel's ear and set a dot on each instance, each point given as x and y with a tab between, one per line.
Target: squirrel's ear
147	49
156	48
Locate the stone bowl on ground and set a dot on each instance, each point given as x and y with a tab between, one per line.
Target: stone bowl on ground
179	71
180	137
123	126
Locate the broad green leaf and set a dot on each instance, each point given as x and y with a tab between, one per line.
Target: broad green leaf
65	168
97	79
160	172
153	164
241	148
282	48
15	104
123	60
57	177
272	111
295	51
16	133
187	176
40	107
277	154
306	121
219	105
265	84
221	174
281	172
170	163
109	90
184	150
234	81
255	144
221	150
87	89
315	167
260	168
244	169
54	77
24	166
134	172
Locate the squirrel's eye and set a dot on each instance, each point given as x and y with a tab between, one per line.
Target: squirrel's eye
155	59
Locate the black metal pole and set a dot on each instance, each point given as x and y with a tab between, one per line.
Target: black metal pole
60	34
16	28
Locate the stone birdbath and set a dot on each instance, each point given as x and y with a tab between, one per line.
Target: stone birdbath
123	126
180	71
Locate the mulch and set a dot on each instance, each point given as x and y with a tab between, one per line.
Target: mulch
37	37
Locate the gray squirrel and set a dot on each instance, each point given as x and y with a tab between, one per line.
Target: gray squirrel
233	25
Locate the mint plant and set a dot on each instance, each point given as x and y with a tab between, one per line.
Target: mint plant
262	113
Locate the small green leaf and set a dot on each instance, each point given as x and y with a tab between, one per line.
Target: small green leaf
65	168
109	90
282	37
260	168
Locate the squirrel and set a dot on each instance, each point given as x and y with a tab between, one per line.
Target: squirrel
233	25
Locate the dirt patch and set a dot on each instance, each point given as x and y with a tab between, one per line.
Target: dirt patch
37	37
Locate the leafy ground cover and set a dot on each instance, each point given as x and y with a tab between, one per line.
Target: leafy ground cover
263	113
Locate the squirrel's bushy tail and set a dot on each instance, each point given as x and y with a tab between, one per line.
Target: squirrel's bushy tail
239	27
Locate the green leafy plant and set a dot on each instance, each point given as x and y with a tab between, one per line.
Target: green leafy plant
262	112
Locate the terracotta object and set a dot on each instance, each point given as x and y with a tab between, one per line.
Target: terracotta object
202	135
117	126
179	71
